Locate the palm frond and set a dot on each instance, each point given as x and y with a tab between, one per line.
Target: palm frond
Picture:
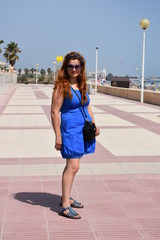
11	53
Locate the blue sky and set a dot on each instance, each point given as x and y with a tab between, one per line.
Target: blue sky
45	29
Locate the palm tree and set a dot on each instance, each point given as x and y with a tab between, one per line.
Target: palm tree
26	70
49	71
43	72
32	70
1	41
11	53
20	71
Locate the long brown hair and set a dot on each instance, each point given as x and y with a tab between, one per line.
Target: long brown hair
62	82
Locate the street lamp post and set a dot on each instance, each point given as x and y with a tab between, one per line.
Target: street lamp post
144	23
96	69
54	64
36	73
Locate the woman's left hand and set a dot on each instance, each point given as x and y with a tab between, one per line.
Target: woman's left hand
97	131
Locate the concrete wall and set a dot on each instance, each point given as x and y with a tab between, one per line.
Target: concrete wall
7	80
152	97
129	93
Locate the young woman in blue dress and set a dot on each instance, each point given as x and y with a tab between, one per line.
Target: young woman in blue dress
68	127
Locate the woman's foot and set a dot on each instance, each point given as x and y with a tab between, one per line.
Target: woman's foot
74	203
68	212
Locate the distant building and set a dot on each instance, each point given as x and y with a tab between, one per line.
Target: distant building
2	64
101	73
120	82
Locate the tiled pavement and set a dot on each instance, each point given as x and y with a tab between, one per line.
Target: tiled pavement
119	185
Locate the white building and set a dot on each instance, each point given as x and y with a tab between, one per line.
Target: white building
101	73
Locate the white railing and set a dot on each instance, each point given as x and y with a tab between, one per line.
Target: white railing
7	80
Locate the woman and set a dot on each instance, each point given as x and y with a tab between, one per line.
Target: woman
71	80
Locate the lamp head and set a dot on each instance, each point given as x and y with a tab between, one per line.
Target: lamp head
144	23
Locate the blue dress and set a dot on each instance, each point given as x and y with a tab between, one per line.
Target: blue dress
72	122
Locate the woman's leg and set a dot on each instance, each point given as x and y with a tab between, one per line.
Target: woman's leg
70	170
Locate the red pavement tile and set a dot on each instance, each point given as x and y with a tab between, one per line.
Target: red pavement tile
149	185
143	212
155	196
53	191
31	198
79	235
115	176
125	185
89	186
2	211
16	187
4	179
52	185
70	229
139	205
92	197
43	160
150	228
83	178
52	213
40	95
123	197
115	229
21	212
30	180
98	158
26	200
29	161
108	210
3	201
8	161
145	176
138	159
47	111
54	160
24	229
4	188
50	178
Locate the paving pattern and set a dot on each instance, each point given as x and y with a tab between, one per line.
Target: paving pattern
119	184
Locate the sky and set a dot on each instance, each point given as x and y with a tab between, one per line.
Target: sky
45	29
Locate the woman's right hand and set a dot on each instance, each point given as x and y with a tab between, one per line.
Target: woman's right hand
58	143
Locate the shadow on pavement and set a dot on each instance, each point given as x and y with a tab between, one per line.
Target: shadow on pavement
43	199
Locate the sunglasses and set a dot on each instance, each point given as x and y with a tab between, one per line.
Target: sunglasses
71	67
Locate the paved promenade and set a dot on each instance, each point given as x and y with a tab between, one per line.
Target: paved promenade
119	184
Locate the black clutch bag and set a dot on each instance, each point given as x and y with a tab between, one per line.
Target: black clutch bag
89	128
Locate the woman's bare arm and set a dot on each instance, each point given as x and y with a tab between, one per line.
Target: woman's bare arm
57	101
91	114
